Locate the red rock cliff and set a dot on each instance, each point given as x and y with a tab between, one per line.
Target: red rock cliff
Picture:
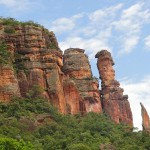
37	60
114	103
66	81
145	119
77	68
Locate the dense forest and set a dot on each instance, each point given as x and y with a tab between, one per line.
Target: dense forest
32	123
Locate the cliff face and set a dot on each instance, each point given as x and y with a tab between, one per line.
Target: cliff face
37	60
8	83
66	81
77	69
145	119
114	103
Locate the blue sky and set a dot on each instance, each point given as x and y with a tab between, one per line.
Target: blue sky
122	27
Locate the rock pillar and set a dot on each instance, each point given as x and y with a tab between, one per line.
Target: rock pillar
145	119
114	103
77	68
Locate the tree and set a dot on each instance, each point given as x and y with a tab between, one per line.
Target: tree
12	144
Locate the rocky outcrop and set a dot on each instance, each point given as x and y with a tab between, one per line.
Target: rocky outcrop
37	67
114	103
37	60
145	119
77	68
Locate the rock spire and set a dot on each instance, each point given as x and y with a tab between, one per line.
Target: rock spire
145	119
114	103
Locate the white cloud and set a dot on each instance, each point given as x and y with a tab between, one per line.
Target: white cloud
62	24
130	24
16	5
9	3
114	27
129	44
102	14
92	45
138	92
132	18
65	24
147	42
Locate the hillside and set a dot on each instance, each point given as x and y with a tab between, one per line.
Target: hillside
51	100
37	122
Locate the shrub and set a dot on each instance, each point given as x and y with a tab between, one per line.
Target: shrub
4	54
79	146
9	30
12	144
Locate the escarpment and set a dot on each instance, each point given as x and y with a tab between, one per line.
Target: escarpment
37	67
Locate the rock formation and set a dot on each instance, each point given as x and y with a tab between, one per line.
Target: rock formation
77	68
114	103
145	119
37	60
37	67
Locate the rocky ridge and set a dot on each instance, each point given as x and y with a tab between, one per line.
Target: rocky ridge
66	81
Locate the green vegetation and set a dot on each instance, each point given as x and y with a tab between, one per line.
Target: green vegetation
4	54
12	144
13	22
10	30
19	63
52	46
19	123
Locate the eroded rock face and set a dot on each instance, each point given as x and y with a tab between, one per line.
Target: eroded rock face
114	103
66	81
37	60
77	68
72	96
145	119
8	83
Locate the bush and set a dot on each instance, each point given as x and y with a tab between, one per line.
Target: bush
9	30
79	146
4	54
12	144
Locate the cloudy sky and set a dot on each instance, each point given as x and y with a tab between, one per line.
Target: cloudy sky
122	27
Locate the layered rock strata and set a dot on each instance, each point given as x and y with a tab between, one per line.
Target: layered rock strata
37	67
145	119
77	68
8	83
37	60
114	103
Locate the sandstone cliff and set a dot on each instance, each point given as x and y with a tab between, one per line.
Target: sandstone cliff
145	119
114	103
77	68
36	62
